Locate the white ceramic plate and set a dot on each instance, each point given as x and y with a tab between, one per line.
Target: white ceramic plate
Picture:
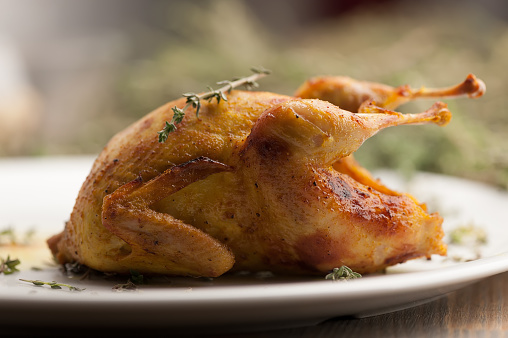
40	193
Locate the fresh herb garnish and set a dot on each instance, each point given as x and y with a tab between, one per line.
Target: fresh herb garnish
129	286
76	268
342	273
468	235
53	284
132	283
137	278
8	266
194	100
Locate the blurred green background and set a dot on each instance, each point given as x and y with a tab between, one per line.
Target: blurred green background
73	73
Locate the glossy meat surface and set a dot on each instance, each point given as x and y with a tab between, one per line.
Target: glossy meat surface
259	182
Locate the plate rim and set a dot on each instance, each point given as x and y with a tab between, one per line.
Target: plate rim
415	285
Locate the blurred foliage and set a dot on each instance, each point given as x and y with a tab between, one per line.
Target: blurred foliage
435	46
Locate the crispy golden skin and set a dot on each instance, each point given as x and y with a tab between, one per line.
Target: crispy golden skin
349	93
259	182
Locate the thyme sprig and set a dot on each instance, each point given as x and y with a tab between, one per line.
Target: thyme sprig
343	273
9	266
53	284
129	286
132	283
194	100
468	235
137	278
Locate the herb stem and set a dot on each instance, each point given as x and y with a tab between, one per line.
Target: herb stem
53	284
249	81
343	273
9	266
194	100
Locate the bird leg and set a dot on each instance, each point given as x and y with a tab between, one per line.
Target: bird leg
349	94
471	87
437	114
314	130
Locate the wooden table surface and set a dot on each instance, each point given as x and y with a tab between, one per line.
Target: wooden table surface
478	310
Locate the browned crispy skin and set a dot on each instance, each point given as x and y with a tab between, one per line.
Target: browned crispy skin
325	218
136	154
127	213
349	94
260	182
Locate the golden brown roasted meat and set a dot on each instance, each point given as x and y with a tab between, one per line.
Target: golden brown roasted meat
349	93
260	182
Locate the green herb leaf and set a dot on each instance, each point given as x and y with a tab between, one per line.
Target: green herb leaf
132	283
9	266
53	284
261	70
178	115
227	85
129	286
34	282
468	235
168	128
342	273
137	278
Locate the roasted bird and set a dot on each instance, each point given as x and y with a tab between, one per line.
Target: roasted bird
258	182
